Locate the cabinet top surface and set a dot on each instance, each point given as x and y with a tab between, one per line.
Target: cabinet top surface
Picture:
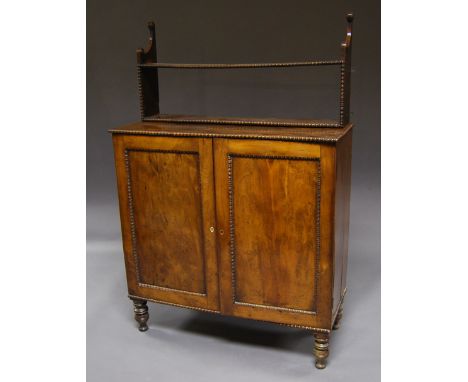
240	131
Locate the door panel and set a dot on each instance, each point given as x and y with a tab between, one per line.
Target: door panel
269	213
273	227
166	195
166	199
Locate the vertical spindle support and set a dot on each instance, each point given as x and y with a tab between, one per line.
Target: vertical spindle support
345	85
148	85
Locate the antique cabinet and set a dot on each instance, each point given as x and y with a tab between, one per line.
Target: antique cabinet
240	217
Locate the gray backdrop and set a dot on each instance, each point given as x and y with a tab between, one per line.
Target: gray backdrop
185	345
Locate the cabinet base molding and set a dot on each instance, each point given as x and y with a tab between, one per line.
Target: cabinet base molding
310	328
132	297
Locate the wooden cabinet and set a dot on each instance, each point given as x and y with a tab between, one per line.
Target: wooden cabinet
246	218
252	226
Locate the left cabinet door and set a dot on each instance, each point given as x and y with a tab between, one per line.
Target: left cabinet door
166	199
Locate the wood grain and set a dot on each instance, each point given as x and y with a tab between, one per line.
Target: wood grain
275	206
166	195
269	199
167	209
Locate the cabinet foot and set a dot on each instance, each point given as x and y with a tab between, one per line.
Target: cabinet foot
338	318
141	313
321	350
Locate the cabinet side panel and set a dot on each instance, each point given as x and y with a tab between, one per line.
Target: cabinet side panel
342	203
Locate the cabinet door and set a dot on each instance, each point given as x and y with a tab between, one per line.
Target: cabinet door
273	202
167	209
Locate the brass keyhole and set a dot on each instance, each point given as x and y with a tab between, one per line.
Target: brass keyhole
211	229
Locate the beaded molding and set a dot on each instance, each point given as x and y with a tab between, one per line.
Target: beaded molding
240	122
342	92
318	330
143	285
236	136
232	247
140	94
174	304
132	220
240	66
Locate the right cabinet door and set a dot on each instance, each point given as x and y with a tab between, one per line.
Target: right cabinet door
273	202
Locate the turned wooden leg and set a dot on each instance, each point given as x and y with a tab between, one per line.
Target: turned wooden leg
141	313
336	325
321	350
